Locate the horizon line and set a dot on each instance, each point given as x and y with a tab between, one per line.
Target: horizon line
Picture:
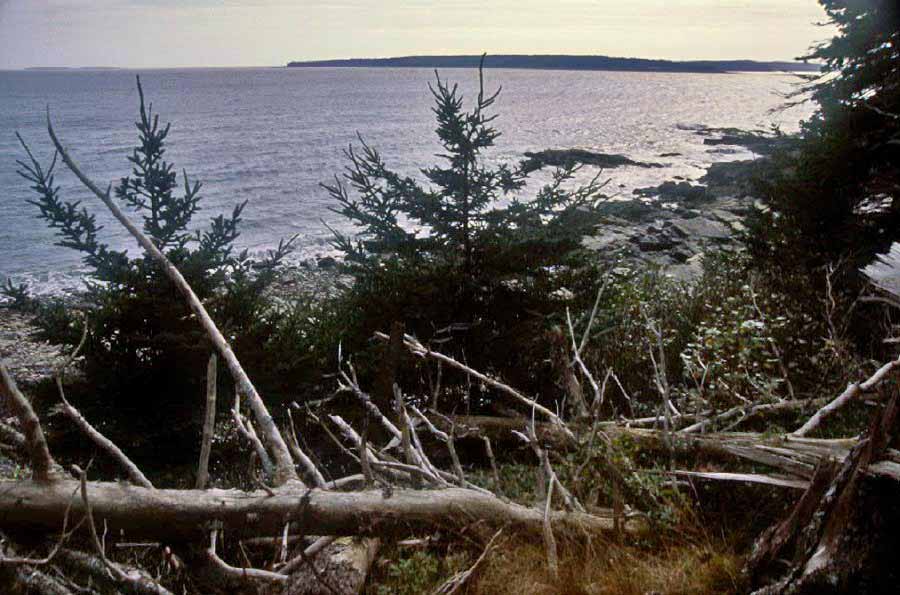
794	60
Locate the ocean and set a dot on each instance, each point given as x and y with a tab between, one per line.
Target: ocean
272	135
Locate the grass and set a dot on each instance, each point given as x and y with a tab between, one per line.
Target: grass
689	565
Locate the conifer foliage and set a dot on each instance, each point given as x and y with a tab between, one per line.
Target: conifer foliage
467	204
838	193
143	345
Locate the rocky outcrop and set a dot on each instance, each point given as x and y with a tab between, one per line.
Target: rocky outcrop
566	157
674	224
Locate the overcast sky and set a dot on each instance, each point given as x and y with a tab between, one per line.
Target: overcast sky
160	33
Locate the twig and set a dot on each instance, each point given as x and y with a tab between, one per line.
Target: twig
309	553
418	349
448	440
63	536
305	461
490	455
458	580
549	540
852	391
134	473
530	437
240	573
245	428
576	357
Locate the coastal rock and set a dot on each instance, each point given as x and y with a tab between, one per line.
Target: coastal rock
30	360
760	142
702	228
671	226
327	262
729	174
683	191
564	157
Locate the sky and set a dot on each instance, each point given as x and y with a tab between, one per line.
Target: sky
173	33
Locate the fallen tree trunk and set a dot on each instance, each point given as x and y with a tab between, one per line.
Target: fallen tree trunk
186	515
500	429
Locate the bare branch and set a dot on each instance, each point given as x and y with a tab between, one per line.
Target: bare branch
549	540
458	580
209	423
853	391
134	473
240	574
245	428
42	464
418	349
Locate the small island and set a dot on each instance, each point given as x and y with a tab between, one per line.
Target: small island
563	62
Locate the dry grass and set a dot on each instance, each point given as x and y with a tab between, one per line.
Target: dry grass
702	566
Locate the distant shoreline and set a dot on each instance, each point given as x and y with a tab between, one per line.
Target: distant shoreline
563	62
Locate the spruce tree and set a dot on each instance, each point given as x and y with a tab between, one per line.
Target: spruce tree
466	207
837	193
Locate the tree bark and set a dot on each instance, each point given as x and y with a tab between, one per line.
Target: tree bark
185	515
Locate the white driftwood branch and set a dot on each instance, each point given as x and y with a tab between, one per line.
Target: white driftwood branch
43	466
239	574
853	391
302	457
458	580
166	514
134	473
245	428
549	540
418	349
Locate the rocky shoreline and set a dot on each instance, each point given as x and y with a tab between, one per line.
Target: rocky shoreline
30	360
671	226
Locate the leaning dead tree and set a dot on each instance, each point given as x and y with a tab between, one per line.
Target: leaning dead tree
841	536
399	490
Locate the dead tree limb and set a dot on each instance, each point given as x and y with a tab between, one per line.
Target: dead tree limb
83	564
854	390
43	466
209	423
245	428
458	580
841	537
420	350
164	514
233	573
132	471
